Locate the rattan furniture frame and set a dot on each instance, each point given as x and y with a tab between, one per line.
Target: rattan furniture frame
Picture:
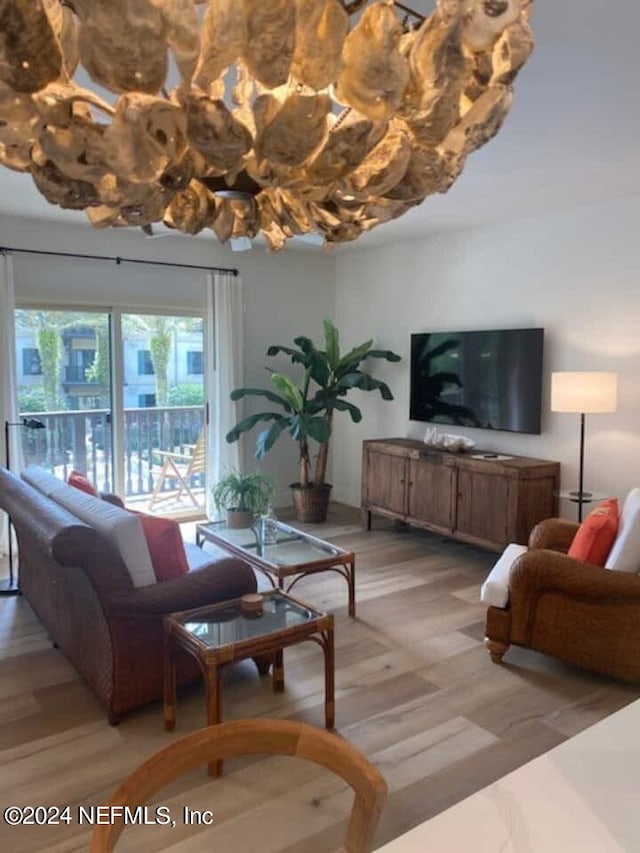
266	648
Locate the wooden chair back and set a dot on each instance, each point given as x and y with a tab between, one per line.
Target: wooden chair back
180	467
196	464
251	737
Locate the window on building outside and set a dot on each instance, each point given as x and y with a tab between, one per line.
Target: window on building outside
146	401
145	365
80	360
31	362
195	364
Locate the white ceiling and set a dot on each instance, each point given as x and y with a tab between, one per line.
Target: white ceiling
571	137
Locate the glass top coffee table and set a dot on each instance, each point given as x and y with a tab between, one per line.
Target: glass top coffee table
221	634
294	555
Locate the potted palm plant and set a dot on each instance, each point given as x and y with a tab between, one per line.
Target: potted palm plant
305	409
243	496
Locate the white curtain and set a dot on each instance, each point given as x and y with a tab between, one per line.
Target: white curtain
8	398
226	351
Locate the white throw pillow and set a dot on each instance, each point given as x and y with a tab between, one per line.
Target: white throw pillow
495	590
625	554
120	527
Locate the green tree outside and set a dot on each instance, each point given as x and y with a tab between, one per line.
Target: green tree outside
186	394
100	372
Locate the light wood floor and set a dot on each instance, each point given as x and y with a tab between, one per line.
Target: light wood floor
416	691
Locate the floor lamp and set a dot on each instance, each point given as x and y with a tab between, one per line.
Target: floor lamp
13	588
583	394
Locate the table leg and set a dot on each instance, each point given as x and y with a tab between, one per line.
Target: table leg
213	683
329	679
278	672
169	684
263	663
351	570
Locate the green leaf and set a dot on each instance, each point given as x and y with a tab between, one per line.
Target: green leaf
349	380
318	405
332	344
306	345
250	492
268	437
289	391
319	430
387	354
365	383
354	357
297	429
295	354
249	423
239	393
320	369
343	406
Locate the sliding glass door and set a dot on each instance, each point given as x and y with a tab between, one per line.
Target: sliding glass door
121	398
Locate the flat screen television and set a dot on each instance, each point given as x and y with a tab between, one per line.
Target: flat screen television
487	379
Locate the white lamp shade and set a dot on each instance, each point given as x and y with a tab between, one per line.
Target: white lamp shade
588	393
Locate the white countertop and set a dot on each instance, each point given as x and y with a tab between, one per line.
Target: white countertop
581	797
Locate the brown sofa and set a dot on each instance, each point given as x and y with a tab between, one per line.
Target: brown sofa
574	611
81	591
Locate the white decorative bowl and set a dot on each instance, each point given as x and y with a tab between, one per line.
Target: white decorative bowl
448	441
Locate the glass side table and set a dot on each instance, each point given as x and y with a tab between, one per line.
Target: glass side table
575	497
221	634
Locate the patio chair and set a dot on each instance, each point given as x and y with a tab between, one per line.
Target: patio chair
255	737
181	467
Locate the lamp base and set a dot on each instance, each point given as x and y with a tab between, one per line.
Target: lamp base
8	588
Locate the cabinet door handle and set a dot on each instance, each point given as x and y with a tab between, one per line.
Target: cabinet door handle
411	482
402	481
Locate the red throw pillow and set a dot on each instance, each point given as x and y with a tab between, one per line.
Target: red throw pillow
166	547
596	534
79	481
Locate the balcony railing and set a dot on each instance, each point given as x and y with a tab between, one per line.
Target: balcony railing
83	440
77	376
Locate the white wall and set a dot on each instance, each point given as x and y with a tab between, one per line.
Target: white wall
285	295
573	272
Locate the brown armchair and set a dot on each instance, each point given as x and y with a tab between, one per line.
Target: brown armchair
574	611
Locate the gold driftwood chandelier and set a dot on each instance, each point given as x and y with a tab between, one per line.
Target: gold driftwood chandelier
285	117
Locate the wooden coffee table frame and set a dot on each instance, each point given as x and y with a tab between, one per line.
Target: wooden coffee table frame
213	660
343	563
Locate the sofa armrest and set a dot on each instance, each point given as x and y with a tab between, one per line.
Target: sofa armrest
542	571
555	534
220	580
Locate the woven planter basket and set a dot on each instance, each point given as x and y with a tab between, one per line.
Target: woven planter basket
311	502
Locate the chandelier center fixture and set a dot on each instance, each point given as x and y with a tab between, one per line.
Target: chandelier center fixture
278	118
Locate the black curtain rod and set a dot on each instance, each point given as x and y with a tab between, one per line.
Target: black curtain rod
118	260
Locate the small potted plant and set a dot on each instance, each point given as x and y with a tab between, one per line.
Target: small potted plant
243	496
